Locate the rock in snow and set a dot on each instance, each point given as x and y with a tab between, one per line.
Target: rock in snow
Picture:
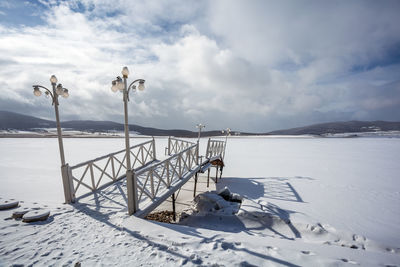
8	204
229	196
36	215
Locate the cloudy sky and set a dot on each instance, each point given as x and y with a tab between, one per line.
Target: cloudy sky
248	65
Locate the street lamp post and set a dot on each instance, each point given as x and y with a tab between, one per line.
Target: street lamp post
58	90
228	132
199	126
121	85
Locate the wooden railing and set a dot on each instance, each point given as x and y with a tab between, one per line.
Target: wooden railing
176	145
88	176
215	148
155	180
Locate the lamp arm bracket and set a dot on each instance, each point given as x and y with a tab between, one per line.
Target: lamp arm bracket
50	93
132	83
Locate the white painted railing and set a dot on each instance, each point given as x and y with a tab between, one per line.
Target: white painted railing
88	176
154	181
176	145
215	148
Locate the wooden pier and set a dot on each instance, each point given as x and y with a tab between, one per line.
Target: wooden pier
154	181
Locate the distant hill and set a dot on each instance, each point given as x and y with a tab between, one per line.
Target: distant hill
16	121
341	127
11	120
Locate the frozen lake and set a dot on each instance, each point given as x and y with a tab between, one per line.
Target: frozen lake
353	184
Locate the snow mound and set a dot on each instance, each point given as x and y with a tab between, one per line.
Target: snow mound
222	202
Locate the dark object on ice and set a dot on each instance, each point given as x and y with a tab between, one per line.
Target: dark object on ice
226	194
8	204
236	198
36	215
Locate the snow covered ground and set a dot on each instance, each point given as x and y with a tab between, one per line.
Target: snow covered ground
307	202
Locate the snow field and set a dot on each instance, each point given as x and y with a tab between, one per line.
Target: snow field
307	202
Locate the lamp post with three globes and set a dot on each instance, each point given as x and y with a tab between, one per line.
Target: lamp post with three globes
58	90
120	84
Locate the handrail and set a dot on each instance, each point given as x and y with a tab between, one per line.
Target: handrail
165	160
215	148
111	166
176	145
108	155
177	139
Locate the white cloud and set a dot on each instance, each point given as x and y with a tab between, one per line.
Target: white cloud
254	67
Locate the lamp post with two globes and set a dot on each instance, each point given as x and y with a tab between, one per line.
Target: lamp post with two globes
58	90
121	85
199	126
228	132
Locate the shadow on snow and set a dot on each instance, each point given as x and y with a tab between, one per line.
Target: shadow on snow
101	206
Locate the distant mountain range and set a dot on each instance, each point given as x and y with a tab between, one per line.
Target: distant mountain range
341	127
16	121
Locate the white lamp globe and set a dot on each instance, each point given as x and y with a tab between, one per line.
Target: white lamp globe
120	85
114	86
59	89
65	93
37	92
53	79
141	86
125	72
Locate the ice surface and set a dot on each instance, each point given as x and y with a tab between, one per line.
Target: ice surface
306	202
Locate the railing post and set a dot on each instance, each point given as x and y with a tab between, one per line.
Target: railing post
152	181
208	147
71	183
169	145
173	207
197	153
67	184
167	167
195	185
154	149
180	165
188	153
131	184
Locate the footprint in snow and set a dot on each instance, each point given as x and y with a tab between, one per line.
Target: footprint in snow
359	238
349	261
246	264
272	248
227	245
306	252
393	250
